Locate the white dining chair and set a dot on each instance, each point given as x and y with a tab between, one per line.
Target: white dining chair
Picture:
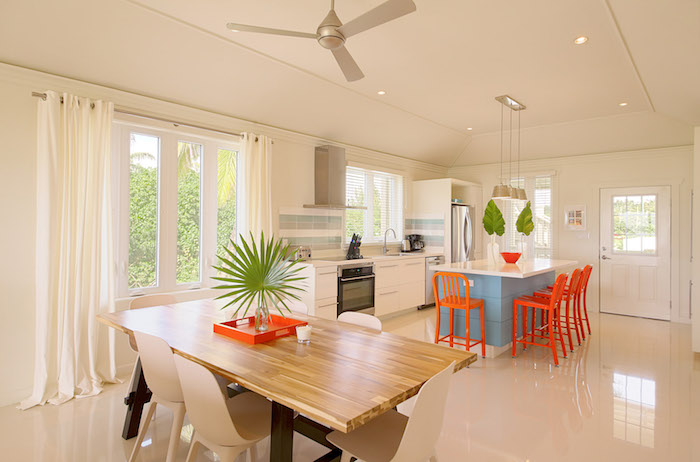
393	437
361	319
163	381
145	301
225	426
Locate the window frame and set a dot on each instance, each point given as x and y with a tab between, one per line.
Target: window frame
166	252
399	188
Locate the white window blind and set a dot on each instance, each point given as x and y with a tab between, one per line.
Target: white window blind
539	192
382	194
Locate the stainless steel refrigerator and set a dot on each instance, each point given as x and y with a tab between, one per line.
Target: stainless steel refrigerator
462	232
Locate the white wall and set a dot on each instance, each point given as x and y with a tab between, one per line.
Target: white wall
292	171
578	181
696	241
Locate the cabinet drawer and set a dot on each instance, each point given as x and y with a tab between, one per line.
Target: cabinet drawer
326	283
387	274
411	295
386	301
326	308
413	271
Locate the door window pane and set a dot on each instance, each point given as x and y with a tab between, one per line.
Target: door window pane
189	157
226	191
144	155
634	224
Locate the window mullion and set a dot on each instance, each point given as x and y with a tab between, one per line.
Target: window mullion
369	213
209	210
167	228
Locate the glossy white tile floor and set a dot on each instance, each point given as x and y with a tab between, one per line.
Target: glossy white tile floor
630	393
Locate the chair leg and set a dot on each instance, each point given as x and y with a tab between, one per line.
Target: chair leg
580	318
557	319
533	324
568	328
552	343
515	327
253	453
467	330
175	430
437	326
483	333
573	314
142	431
194	446
452	327
585	312
524	326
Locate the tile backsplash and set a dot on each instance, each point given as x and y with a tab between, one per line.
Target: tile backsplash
321	229
430	226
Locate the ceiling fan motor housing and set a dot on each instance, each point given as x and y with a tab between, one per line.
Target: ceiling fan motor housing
328	35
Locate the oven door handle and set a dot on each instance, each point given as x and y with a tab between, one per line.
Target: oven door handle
357	278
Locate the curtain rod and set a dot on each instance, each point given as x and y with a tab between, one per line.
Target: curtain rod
184	124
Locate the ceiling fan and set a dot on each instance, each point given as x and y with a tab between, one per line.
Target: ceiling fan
332	33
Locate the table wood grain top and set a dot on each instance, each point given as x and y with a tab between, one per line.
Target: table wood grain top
345	377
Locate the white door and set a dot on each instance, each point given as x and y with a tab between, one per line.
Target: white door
635	251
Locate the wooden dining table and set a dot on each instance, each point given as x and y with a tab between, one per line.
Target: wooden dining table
345	377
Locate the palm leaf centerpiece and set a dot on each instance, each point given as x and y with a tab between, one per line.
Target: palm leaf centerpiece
259	273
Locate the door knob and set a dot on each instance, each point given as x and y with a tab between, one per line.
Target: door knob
605	257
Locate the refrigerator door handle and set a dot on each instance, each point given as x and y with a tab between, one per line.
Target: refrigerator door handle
467	235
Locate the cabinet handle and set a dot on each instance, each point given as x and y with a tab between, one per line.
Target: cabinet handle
329	272
390	292
328	304
415	263
386	266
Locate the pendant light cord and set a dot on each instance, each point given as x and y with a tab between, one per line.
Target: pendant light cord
519	149
500	179
510	149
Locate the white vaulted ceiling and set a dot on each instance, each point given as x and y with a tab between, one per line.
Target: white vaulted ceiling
440	66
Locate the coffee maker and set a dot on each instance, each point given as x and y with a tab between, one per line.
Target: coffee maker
416	241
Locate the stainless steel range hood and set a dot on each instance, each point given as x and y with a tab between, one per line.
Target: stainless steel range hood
329	179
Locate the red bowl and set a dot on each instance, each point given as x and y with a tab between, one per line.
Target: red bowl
511	257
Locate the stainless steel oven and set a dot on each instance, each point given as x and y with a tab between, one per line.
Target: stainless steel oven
356	288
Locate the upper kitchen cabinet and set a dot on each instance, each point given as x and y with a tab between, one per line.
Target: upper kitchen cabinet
432	201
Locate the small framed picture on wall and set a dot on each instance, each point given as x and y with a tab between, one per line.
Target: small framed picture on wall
575	217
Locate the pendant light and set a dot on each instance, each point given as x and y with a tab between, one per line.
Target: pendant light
501	191
521	191
513	189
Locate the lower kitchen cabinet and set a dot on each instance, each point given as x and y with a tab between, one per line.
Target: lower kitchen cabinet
400	285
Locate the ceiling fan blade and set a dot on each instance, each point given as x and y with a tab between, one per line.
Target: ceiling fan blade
348	65
266	30
385	12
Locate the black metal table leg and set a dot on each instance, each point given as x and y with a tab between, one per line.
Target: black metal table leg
317	432
282	434
139	394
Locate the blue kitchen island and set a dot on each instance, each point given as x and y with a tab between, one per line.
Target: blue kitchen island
498	285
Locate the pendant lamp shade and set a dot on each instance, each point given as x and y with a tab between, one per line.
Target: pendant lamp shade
522	195
501	191
515	193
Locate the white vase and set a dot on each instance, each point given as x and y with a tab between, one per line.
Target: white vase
523	247
493	252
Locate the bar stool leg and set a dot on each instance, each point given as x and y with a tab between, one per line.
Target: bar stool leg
585	311
568	328
437	325
452	327
578	311
524	307
483	332
557	317
467	330
552	344
575	321
515	327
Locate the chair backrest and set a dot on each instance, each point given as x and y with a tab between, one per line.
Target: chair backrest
145	301
574	284
361	319
206	405
587	270
425	424
297	306
158	367
558	290
452	285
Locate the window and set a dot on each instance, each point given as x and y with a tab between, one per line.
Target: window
539	193
177	193
382	194
634	225
634	409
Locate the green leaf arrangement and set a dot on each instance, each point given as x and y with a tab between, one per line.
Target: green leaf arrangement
259	272
524	224
493	219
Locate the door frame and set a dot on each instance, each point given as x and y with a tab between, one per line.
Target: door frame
676	284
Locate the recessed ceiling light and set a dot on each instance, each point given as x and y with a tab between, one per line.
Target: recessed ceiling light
581	40
234	30
623	104
381	92
469	128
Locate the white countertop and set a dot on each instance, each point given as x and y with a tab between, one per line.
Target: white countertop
320	262
521	269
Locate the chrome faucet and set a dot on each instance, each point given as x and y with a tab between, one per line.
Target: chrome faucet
385	233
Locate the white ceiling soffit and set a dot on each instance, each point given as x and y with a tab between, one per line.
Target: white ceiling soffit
441	67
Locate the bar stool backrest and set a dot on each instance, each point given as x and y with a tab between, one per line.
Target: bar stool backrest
451	287
558	290
587	270
574	284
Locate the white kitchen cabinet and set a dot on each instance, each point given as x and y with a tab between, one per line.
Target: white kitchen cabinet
326	282
399	285
321	290
326	308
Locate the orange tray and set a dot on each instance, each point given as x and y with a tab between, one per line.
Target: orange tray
243	329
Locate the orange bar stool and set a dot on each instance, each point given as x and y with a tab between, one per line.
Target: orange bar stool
587	270
453	299
570	316
548	306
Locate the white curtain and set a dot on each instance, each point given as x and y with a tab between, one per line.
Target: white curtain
74	258
257	157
